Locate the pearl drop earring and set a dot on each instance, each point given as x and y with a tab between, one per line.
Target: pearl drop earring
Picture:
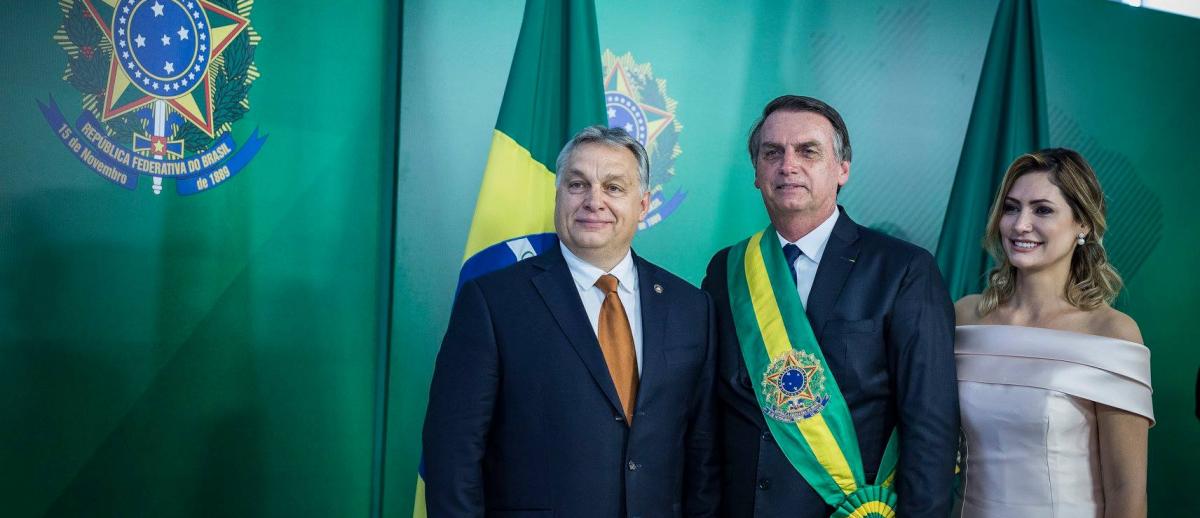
1079	240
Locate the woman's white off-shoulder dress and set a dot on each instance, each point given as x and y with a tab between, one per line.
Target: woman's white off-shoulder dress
1028	400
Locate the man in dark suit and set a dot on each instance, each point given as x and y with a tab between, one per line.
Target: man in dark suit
878	310
578	383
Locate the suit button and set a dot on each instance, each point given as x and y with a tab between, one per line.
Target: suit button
766	435
633	466
618	418
764	484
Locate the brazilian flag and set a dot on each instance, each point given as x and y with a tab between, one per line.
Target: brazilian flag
555	88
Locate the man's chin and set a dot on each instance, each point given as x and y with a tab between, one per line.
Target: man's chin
590	239
792	206
792	200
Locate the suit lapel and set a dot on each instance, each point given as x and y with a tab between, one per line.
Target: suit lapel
557	288
654	309
840	254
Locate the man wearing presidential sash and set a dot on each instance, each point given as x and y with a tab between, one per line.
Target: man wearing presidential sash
836	383
577	383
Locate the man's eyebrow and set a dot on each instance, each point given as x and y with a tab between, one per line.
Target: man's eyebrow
608	177
806	143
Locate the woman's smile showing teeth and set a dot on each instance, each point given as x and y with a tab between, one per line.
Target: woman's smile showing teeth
1023	245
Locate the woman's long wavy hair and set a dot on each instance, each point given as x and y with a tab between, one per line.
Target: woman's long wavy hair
1093	281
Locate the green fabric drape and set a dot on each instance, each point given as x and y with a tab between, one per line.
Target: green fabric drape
1008	119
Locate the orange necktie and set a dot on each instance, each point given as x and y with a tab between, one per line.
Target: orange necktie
616	342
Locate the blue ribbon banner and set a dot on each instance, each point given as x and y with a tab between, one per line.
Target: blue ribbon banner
118	164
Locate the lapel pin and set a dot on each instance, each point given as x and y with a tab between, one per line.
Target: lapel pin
851	259
658	288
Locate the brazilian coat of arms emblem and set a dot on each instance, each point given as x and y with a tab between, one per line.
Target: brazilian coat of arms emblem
793	387
638	103
162	82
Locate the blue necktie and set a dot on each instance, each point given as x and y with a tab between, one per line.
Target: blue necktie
791	253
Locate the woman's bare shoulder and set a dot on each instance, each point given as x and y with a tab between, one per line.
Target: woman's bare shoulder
966	310
1107	321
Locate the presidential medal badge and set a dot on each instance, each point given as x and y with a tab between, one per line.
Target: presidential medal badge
794	387
162	83
638	103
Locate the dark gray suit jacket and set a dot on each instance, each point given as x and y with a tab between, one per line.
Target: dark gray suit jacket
886	327
524	419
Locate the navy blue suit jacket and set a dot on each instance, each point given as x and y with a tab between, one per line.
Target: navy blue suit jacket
885	324
524	419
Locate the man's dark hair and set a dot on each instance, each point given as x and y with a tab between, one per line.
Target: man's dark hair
800	103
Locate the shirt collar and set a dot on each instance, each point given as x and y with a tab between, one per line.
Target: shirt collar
813	243
586	274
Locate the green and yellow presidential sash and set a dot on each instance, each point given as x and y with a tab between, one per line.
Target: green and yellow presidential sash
799	398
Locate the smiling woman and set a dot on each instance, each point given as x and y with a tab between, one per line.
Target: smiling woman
1054	384
1046	200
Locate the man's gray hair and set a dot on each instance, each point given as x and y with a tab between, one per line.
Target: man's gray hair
613	137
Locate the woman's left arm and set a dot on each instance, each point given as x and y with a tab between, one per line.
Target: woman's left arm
1123	439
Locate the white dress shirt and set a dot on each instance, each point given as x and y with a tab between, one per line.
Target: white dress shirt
812	245
585	276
